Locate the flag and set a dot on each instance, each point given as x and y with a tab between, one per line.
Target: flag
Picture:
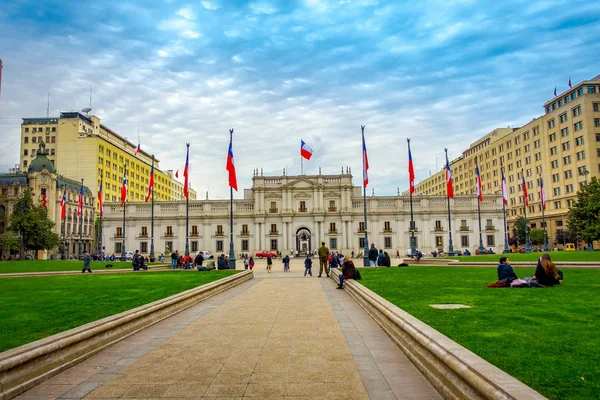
177	174
525	191
542	195
411	171
100	206
186	172
44	202
365	162
80	201
63	205
124	189
305	150
570	86
138	149
478	189
449	188
230	167
504	190
554	91
150	184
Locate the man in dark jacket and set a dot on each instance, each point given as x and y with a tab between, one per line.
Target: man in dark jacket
222	262
87	261
199	260
174	258
506	274
373	256
348	271
136	261
307	265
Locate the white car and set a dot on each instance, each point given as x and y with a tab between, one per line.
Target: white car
206	254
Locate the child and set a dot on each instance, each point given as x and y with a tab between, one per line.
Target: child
307	265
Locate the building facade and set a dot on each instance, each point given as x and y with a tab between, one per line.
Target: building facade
41	176
296	213
561	147
82	147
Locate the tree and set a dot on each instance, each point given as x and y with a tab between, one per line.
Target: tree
536	236
32	224
9	243
520	229
584	215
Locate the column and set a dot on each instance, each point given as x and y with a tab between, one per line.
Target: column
342	245
285	236
257	236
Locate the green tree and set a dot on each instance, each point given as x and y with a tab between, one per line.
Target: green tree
9	243
536	236
32	224
520	229
584	215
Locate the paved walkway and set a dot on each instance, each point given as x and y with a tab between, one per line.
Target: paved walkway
279	336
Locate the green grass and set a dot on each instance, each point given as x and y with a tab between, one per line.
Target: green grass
548	338
7	267
555	255
37	307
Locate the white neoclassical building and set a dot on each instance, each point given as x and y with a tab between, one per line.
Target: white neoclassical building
296	213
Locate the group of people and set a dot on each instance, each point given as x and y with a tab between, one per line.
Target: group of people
546	274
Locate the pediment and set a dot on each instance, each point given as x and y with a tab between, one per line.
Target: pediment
331	194
302	195
302	183
273	195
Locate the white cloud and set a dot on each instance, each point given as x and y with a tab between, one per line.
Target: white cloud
186	13
209	5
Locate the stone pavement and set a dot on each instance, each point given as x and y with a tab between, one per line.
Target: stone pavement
279	336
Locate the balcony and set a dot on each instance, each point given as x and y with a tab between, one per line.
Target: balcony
332	209
490	228
387	230
168	234
118	236
302	210
410	228
438	229
273	210
194	234
245	233
334	232
361	231
464	228
143	235
219	233
273	233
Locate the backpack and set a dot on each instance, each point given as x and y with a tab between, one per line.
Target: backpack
357	276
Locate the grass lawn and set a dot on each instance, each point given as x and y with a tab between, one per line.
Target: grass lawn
555	255
7	267
547	338
38	307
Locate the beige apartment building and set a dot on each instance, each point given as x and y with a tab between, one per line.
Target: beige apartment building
562	147
80	146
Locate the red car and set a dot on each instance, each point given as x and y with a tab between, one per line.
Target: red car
265	254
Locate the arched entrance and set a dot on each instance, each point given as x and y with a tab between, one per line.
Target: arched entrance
303	241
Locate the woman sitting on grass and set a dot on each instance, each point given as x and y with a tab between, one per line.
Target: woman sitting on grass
546	272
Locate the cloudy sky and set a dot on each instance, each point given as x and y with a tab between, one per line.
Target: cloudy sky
440	72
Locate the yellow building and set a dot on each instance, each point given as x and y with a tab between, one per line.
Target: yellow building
562	147
81	147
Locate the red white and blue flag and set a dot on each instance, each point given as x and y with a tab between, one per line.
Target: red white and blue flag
150	184
411	170
44	199
124	190
478	189
101	207
230	167
449	187
186	172
305	150
138	149
365	161
177	174
525	196
504	190
80	201
542	194
63	205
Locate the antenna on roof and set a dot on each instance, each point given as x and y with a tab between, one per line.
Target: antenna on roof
48	107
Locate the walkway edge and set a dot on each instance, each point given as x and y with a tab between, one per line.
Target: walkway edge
28	365
454	371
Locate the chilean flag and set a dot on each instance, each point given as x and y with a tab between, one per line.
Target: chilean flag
138	149
411	170
504	190
230	167
525	191
80	201
63	205
305	150
449	188
44	199
542	194
479	190
186	172
150	184
177	174
100	199
124	190
365	161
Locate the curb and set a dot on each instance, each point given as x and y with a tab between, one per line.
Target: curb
28	365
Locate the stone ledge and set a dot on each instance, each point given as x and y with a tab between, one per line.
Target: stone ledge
454	371
28	365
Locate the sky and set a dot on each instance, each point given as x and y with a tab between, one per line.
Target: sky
443	73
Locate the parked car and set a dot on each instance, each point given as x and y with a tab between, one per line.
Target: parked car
129	255
264	254
206	254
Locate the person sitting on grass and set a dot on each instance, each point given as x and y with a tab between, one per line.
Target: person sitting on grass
506	274
222	262
348	271
546	272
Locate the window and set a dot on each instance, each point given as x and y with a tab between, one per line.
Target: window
596	108
554	164
119	232
169	232
273	244
361	226
194	230
439	242
598	137
26	139
591	89
538	156
577	111
219	245
551	124
579	141
578	126
556	191
361	243
273	208
144	232
194	244
219	230
580	92
33	138
553	151
557	205
568	174
387	227
566	146
387	242
564	132
597	124
302	207
143	247
26	152
555	177
581	155
564	117
464	241
332	207
438	226
273	230
552	137
569	188
245	246
245	229
463	225
490	240
333	243
118	248
567	160
332	227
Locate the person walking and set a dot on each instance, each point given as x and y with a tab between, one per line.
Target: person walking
246	263
286	264
87	262
307	265
269	263
251	262
372	256
174	258
323	253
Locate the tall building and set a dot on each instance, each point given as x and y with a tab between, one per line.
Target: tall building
297	213
81	147
561	147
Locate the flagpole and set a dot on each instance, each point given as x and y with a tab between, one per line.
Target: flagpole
366	250
64	227
479	197
187	204
80	222
506	249
301	165
231	250
543	214
413	244
123	252
100	222
152	217
450	246
525	200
